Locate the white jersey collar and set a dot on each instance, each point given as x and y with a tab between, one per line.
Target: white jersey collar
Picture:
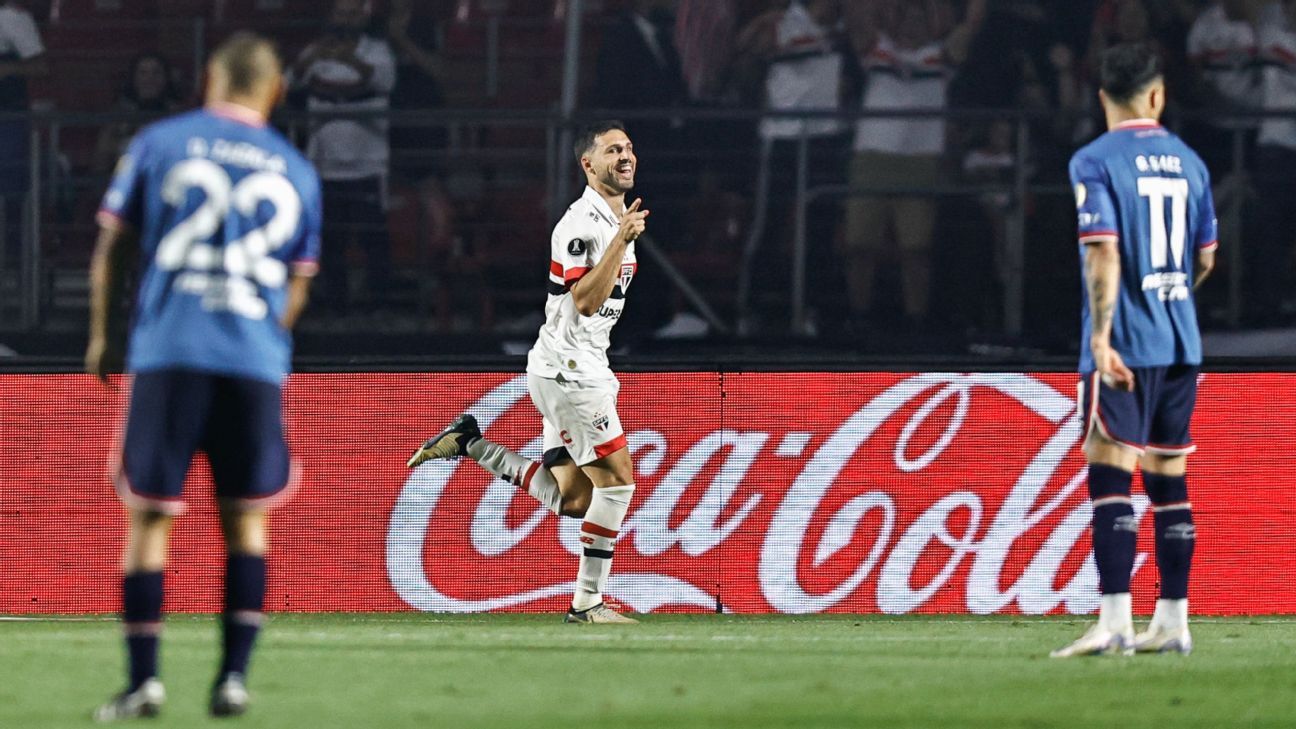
600	205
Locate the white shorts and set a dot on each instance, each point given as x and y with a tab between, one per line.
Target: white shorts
579	416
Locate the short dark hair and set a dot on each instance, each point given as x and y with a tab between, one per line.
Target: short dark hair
588	133
1127	69
249	59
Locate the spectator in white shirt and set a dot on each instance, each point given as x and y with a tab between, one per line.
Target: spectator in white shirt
348	70
907	62
804	51
1222	50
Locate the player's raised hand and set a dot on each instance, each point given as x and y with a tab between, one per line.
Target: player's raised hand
1112	368
632	222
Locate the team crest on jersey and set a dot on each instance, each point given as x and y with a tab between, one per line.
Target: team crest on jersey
627	275
576	247
600	421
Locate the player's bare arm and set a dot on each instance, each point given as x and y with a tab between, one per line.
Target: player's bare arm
1102	281
595	287
1205	264
298	295
107	276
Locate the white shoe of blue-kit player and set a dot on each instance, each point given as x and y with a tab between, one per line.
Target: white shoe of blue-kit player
1160	639
1099	641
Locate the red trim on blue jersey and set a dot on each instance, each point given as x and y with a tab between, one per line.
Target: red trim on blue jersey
236	112
305	267
1208	246
1138	124
108	219
1086	237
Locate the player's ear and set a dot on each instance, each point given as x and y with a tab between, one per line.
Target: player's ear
279	92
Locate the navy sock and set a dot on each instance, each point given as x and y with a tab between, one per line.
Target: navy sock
1115	530
244	598
1175	534
142	622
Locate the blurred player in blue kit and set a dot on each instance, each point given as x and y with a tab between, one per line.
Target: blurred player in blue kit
1145	215
224	215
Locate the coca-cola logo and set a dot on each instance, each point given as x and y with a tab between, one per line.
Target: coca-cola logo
902	501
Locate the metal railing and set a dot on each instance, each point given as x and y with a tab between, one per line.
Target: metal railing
25	296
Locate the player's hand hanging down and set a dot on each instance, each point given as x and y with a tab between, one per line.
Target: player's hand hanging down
1111	367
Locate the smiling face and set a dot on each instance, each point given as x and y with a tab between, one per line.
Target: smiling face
610	162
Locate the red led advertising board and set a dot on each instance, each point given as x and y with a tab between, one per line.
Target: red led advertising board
757	492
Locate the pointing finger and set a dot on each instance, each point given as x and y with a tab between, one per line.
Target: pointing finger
635	205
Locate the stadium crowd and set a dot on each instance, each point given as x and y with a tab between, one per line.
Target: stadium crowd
914	226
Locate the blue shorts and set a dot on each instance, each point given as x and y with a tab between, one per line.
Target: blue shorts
236	421
1154	418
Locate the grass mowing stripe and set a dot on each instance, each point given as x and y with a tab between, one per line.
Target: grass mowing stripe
409	669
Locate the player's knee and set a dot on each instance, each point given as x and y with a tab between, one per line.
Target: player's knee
146	550
1176	465
245	530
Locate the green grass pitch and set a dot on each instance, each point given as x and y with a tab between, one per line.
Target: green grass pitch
524	671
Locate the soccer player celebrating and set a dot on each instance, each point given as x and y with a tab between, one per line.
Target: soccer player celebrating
224	215
1143	198
586	471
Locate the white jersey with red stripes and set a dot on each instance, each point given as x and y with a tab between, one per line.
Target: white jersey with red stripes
570	344
903	78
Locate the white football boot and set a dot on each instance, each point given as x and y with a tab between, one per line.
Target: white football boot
600	613
1168	631
1099	641
1157	639
229	696
145	701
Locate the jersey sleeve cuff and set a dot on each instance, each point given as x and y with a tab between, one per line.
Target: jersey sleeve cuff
305	267
572	275
108	219
1093	236
1212	245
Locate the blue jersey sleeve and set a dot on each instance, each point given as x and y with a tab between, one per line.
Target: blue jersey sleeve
306	253
1207	226
1095	203
124	201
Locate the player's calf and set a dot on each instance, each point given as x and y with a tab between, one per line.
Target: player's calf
464	439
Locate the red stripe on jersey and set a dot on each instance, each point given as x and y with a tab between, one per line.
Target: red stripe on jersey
1208	246
592	528
572	275
555	268
606	449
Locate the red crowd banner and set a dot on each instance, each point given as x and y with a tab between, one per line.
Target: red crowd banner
757	492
